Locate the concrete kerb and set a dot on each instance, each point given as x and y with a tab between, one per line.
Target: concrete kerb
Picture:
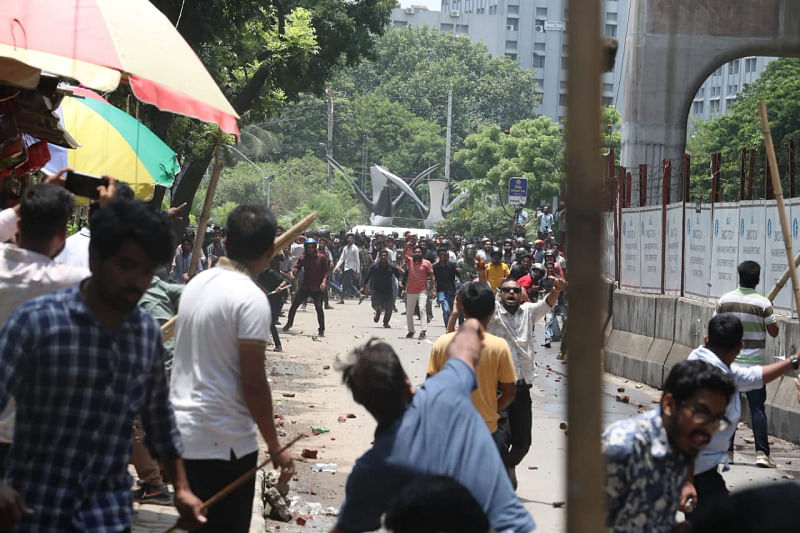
650	334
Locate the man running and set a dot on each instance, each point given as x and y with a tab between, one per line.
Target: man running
382	274
419	272
315	282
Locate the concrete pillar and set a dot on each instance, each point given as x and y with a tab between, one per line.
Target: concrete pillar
672	46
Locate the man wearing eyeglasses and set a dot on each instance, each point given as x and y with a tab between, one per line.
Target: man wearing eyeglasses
722	345
649	457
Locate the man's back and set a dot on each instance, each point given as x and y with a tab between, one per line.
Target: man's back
219	308
495	366
440	432
755	313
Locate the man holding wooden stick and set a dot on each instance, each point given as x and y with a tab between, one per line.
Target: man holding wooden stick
219	387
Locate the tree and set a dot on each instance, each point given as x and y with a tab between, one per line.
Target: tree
290	193
533	149
478	219
779	88
263	53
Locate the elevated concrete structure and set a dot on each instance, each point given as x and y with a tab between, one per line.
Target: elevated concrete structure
673	46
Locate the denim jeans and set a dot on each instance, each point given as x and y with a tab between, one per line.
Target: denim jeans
446	301
552	329
758	418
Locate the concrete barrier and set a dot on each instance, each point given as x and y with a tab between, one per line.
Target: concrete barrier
649	334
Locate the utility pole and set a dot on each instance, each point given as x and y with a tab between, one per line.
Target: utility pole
329	94
447	146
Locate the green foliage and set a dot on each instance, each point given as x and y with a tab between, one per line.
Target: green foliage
478	219
298	188
779	88
612	134
533	149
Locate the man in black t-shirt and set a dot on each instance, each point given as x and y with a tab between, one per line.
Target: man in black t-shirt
381	272
446	275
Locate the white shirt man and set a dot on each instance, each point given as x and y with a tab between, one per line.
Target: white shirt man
349	259
76	249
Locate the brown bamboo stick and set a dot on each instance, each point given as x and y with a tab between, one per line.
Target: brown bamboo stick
206	212
236	483
778	191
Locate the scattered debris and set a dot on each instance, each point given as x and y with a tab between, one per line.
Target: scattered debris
309	454
273	494
558	504
351	415
787	476
342	419
326	367
288	395
324	467
640	386
623	398
300	521
531	467
562	425
620	389
320	430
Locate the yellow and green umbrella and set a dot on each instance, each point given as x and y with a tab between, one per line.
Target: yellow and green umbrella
114	143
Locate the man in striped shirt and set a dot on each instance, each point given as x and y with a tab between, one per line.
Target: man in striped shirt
755	313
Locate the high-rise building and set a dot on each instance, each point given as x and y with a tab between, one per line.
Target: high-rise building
722	87
532	33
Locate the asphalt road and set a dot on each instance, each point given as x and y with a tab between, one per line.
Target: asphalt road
308	393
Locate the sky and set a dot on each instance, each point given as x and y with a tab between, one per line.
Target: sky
433	5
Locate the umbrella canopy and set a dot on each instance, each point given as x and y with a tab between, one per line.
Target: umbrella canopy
98	42
114	143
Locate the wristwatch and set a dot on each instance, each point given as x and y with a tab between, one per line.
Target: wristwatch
795	362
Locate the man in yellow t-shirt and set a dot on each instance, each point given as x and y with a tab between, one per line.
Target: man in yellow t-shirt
495	368
496	271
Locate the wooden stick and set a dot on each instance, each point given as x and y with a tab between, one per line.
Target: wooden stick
782	280
585	469
168	328
292	233
233	485
778	191
206	212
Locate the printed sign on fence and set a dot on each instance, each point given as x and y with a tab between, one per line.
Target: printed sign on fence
650	244
630	274
775	258
609	255
724	249
674	249
752	235
697	259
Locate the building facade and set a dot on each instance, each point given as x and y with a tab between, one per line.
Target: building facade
533	33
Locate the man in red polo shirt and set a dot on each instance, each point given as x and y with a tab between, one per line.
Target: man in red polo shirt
315	283
419	271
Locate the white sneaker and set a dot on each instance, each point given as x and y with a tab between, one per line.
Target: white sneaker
764	461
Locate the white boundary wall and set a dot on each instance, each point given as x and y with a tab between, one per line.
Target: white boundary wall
703	249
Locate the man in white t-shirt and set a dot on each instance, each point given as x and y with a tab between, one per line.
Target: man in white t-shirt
219	388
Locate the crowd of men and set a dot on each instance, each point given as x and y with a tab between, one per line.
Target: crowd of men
87	385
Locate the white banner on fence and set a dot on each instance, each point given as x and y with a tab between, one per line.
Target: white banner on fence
752	235
775	262
609	257
724	249
674	249
697	259
650	245
630	273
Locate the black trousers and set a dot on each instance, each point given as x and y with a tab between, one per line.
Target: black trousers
275	302
513	435
208	476
710	487
302	295
4	447
384	303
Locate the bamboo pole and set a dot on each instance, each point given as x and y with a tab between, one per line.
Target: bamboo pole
778	191
233	485
206	213
585	463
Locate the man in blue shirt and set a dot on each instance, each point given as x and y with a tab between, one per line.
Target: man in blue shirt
649	457
81	364
435	430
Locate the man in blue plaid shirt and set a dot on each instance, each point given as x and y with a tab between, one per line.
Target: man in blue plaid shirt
81	363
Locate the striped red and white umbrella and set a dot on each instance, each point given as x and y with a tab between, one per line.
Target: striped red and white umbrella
99	43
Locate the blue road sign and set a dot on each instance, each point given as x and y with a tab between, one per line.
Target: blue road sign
517	191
